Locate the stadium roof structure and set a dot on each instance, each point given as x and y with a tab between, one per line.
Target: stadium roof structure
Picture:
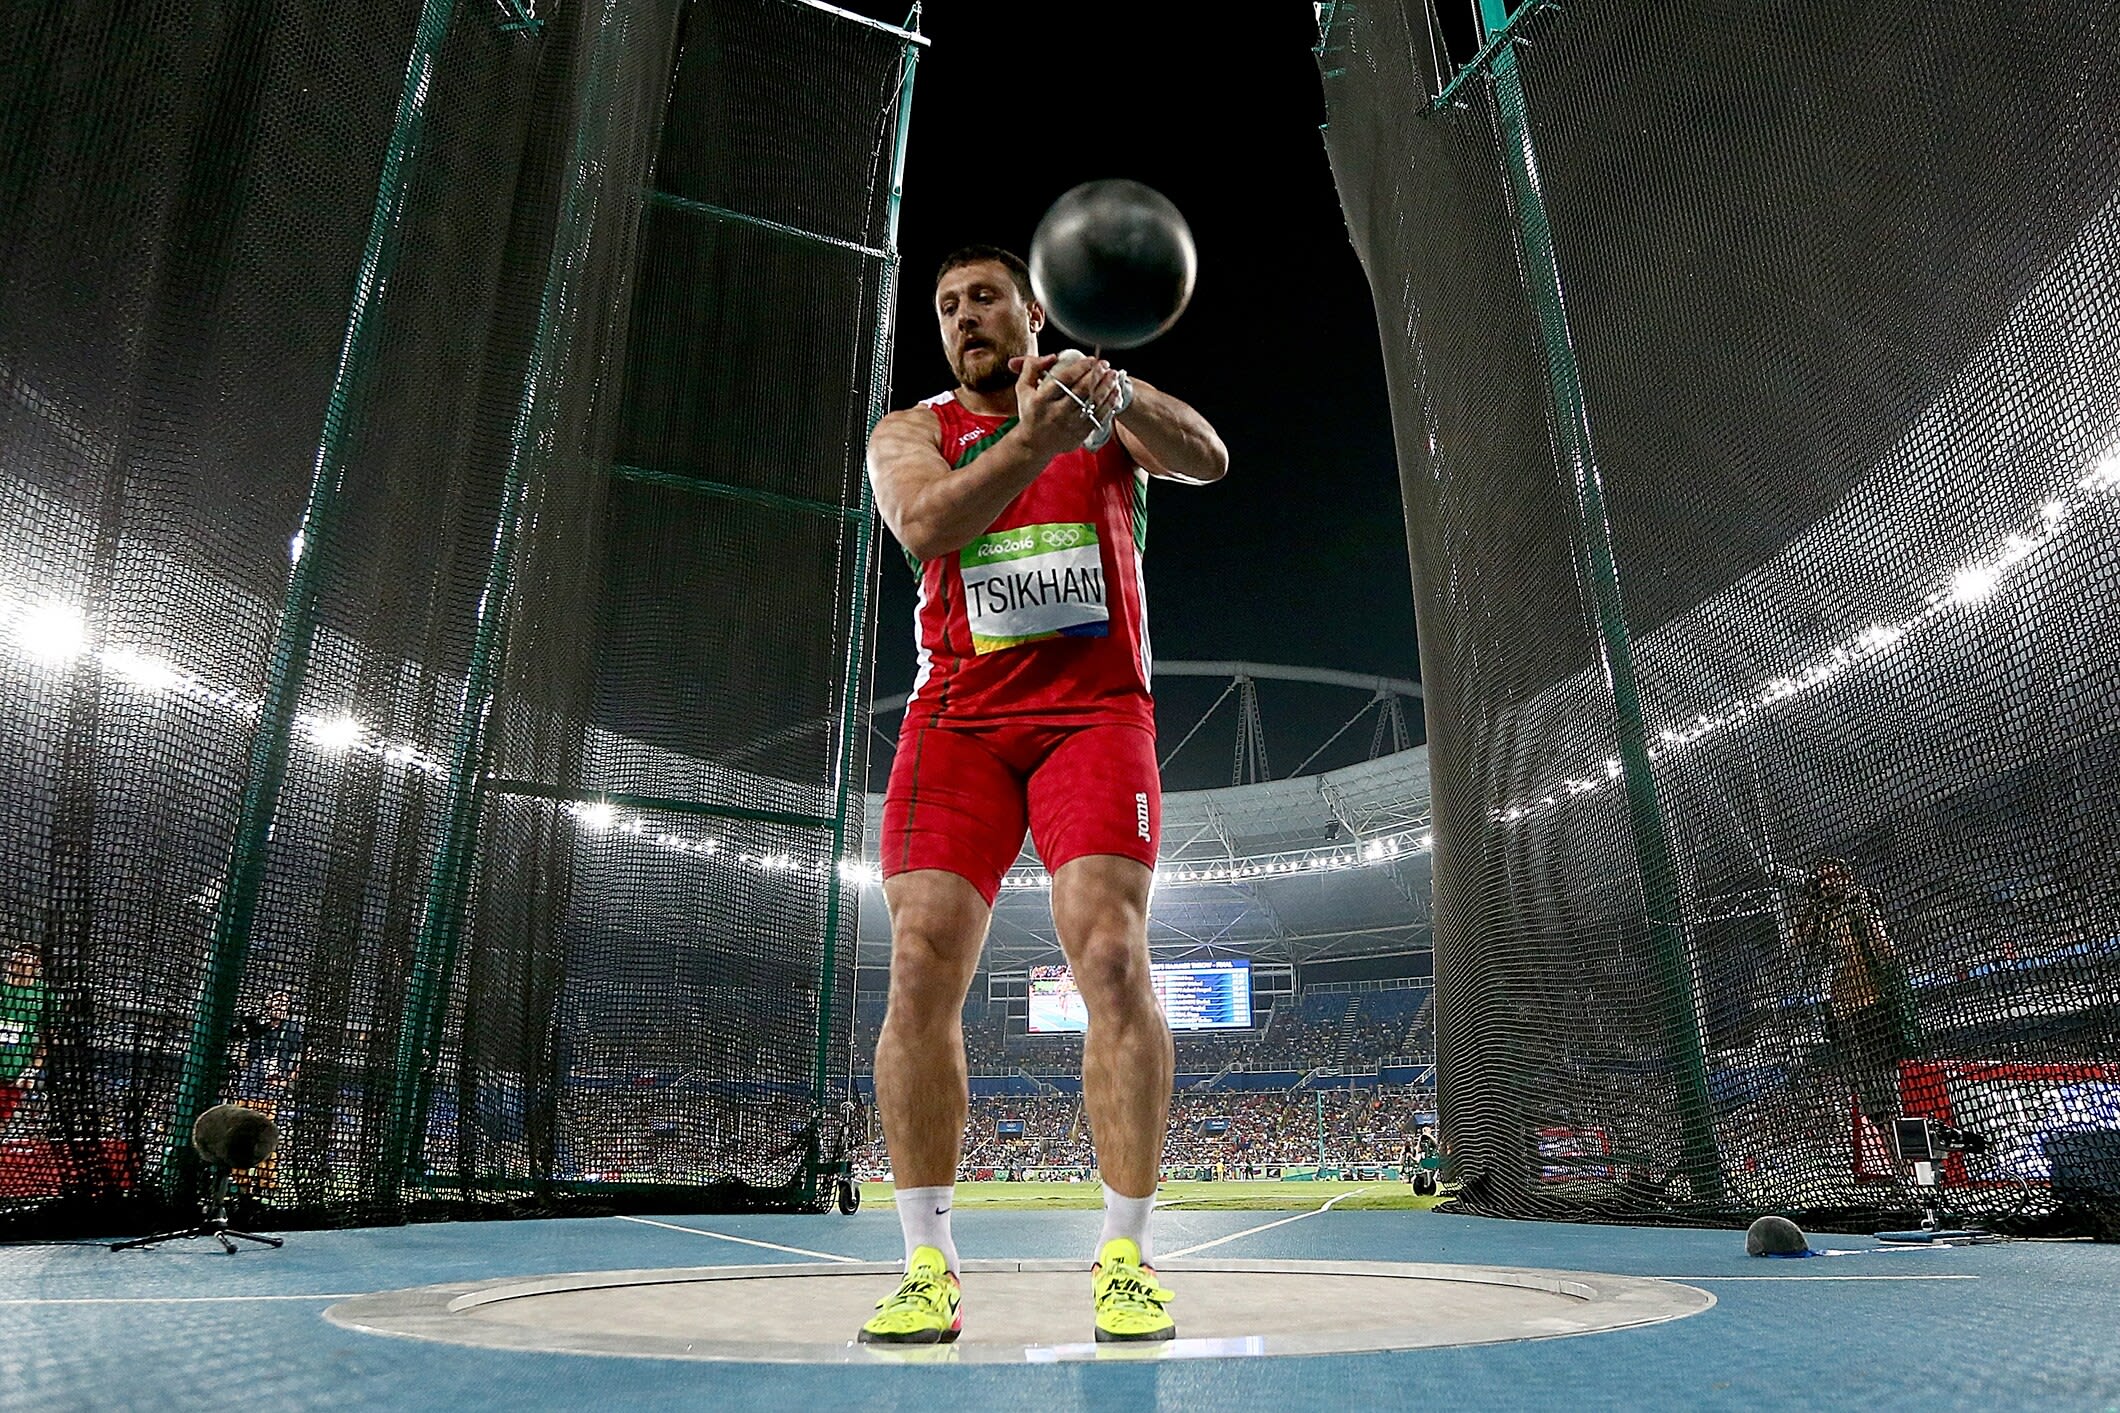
1301	869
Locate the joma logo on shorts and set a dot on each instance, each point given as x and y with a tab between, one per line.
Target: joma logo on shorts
1141	813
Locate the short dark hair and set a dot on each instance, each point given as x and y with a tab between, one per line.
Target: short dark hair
979	255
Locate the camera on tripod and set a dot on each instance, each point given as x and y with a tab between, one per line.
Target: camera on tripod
1925	1145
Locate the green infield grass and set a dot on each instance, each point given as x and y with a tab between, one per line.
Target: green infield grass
1184	1196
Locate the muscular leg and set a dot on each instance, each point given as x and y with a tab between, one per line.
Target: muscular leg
938	924
1100	907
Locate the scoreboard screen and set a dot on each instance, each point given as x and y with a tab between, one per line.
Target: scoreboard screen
1199	995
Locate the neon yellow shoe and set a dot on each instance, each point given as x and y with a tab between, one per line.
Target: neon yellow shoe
1130	1299
928	1307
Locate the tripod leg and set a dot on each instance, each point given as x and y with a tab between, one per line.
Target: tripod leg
141	1243
215	1226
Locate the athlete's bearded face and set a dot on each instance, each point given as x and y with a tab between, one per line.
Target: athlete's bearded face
985	322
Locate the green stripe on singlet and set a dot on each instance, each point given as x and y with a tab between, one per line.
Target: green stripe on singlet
970	453
964	459
1141	512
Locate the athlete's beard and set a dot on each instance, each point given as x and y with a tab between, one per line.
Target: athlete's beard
993	380
997	376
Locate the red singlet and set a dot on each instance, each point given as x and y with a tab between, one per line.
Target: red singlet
1042	618
1032	706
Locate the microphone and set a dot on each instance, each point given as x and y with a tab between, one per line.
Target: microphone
234	1137
230	1137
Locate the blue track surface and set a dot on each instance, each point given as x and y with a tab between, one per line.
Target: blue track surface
2028	1325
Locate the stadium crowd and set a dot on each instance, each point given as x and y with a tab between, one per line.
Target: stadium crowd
1350	1030
1239	1134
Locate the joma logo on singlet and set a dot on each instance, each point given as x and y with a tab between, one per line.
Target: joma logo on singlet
967	438
1141	813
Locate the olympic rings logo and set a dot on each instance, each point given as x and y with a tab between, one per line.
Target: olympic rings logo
1052	537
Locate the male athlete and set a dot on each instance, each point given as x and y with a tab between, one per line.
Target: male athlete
1031	708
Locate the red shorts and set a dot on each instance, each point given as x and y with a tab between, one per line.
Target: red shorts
960	798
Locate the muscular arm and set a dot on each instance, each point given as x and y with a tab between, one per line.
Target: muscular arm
1169	439
933	509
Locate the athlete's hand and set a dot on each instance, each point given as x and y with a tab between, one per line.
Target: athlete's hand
1054	405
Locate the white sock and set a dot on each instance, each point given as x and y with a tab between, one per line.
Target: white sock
924	1217
1127	1217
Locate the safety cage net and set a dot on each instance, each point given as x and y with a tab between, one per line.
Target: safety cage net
434	597
1756	379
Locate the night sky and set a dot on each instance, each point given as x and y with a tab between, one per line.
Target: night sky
1300	555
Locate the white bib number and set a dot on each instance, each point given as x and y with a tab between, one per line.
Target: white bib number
1033	582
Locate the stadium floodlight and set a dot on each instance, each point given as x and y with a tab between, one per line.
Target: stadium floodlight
1878	637
1383	849
52	632
1974	582
1969	584
2104	473
149	674
333	734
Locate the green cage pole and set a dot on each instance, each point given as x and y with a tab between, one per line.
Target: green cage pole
1321	1132
206	1057
844	752
531	441
1698	1159
1494	18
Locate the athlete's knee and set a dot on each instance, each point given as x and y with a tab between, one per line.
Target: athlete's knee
1111	970
928	979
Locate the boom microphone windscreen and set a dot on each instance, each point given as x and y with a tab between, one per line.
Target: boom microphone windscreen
232	1136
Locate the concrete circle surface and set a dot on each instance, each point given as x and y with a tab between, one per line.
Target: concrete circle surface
1020	1311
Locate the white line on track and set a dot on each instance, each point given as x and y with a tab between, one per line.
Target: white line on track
164	1299
745	1240
1691	1279
1253	1231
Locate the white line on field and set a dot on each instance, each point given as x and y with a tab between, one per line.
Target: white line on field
1690	1279
163	1299
745	1240
1268	1226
